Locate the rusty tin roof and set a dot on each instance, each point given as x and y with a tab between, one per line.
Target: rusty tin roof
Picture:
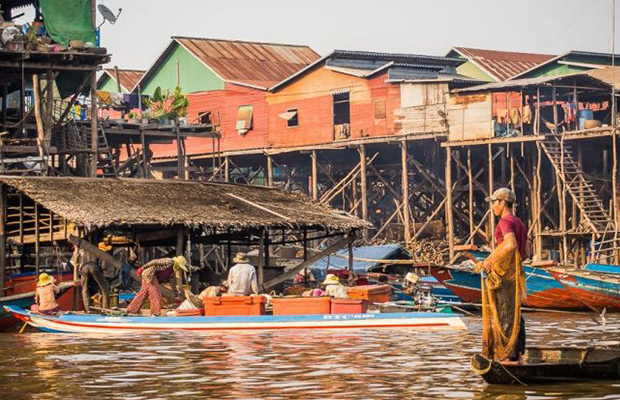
129	77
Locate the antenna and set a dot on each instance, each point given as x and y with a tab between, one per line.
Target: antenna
108	15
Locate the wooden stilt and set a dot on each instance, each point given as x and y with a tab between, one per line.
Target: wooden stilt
470	180
94	137
3	260
37	243
269	171
226	169
315	184
261	259
363	186
405	191
449	217
490	183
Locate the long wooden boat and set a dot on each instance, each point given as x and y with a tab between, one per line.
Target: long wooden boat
543	290
553	364
598	290
88	323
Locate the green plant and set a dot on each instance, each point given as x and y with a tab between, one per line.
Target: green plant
164	104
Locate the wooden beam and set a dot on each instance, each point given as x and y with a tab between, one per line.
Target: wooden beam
293	271
449	216
269	170
3	215
364	186
405	191
261	260
315	186
94	136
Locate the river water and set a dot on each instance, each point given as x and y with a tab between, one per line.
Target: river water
369	364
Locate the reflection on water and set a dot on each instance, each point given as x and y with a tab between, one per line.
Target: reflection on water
391	363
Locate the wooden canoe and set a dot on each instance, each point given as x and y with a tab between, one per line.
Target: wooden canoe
554	364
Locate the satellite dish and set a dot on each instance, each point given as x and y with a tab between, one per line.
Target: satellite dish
108	15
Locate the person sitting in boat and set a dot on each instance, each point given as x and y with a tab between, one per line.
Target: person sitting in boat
242	277
305	275
153	274
214	291
45	295
334	288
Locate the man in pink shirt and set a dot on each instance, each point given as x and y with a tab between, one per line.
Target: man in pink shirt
503	284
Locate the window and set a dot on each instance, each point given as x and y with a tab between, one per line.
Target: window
379	106
294	119
205	118
244	119
341	108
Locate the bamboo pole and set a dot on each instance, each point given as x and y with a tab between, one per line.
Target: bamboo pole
269	171
449	216
261	259
21	218
490	183
3	216
36	91
37	243
315	185
363	186
538	228
94	143
405	191
470	180
226	169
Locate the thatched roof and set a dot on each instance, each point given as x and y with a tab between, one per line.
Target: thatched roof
117	202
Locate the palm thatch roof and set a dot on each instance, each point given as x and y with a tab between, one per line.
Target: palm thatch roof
122	202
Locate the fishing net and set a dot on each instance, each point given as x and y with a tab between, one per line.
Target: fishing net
502	291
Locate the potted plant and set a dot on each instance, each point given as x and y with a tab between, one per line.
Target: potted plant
165	106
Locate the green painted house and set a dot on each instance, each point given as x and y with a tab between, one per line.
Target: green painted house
495	65
128	80
570	62
201	64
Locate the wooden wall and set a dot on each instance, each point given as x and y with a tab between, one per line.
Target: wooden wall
470	116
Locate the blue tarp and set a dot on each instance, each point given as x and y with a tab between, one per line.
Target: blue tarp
382	252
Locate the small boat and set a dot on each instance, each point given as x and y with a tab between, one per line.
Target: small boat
543	290
596	289
553	364
89	323
26	299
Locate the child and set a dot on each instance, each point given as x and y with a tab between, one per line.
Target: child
45	295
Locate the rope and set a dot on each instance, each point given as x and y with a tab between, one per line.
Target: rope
511	375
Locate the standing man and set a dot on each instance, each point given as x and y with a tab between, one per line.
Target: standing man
503	284
242	277
153	274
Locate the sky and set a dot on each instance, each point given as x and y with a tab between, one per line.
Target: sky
429	27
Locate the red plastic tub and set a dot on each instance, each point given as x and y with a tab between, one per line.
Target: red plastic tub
234	305
301	305
348	306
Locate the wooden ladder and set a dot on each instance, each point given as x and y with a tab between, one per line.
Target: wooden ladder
581	191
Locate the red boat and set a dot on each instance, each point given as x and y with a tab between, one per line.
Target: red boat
598	290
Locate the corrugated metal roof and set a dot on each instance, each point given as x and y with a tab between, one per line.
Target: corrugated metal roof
129	77
517	83
568	54
610	75
400	57
250	63
502	65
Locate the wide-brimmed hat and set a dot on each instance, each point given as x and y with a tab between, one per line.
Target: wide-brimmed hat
331	279
241	258
45	279
181	262
502	194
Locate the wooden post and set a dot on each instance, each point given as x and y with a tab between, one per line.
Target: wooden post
145	168
614	190
94	140
49	107
364	186
5	95
261	259
449	217
36	91
350	251
490	188
37	243
3	215
266	245
21	218
538	227
226	169
269	171
405	191
180	155
470	179
315	184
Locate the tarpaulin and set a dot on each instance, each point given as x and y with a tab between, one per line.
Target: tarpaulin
67	20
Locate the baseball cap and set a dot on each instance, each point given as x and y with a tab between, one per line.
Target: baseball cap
503	194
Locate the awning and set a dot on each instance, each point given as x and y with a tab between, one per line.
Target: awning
288	115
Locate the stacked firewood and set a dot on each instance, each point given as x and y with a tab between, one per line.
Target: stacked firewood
430	251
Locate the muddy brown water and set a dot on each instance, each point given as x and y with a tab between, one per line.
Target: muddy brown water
366	364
